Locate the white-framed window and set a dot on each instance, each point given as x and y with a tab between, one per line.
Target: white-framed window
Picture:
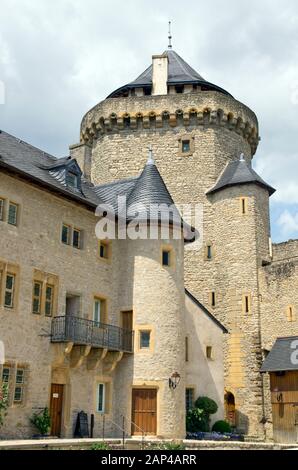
65	234
76	238
18	390
9	291
98	311
101	397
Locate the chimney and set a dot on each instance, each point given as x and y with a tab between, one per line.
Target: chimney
83	154
159	74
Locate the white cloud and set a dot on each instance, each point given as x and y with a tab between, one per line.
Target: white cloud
288	224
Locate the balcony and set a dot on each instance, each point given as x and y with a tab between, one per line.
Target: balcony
82	332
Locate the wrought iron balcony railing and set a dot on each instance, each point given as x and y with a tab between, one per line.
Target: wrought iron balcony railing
87	332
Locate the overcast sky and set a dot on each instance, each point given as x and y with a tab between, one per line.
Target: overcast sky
58	58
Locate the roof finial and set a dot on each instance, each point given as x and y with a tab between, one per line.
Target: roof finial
150	160
242	158
170	36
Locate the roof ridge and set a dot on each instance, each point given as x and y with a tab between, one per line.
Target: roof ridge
20	141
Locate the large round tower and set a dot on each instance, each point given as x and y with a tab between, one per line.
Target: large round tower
196	129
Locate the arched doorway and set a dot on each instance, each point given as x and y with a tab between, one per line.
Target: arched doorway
230	409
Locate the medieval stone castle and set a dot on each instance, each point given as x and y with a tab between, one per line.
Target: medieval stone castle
56	277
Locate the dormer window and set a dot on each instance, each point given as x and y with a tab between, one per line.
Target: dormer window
72	180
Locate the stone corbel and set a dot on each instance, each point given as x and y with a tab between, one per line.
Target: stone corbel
133	122
213	118
78	355
224	120
158	121
108	124
62	352
186	119
95	357
146	122
115	358
120	123
200	117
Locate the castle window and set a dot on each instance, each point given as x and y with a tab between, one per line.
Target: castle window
189	399
99	310
36	301
44	295
209	354
15	377
9	291
166	258
243	205
65	234
18	391
213	299
6	375
186	349
185	146
179	88
101	389
71	180
145	339
104	250
290	313
76	238
12	213
2	201
49	300
246	303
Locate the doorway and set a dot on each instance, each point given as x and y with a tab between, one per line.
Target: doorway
56	408
127	325
144	411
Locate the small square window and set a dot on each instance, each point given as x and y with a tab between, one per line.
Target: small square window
145	339
18	394
104	249
166	257
12	213
76	238
71	180
1	209
20	376
185	146
6	375
65	234
209	352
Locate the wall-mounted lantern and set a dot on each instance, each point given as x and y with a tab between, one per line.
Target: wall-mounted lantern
174	380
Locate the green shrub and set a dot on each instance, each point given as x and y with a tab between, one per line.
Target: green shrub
197	420
169	446
42	421
206	404
221	427
3	401
100	446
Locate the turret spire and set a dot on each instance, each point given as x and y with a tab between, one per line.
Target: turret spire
170	36
150	160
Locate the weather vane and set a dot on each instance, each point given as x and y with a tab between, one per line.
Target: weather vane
170	36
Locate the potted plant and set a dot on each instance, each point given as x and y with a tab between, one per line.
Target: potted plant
42	421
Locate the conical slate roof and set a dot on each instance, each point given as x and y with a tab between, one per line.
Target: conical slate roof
237	173
179	73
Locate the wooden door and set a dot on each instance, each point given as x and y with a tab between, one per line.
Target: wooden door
144	411
56	407
284	399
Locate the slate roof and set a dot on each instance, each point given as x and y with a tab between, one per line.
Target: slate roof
206	311
179	73
239	172
49	172
32	163
280	358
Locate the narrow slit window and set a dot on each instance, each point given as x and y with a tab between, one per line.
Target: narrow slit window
186	349
166	257
209	252
246	304
243	205
189	399
104	249
101	389
209	352
213	299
